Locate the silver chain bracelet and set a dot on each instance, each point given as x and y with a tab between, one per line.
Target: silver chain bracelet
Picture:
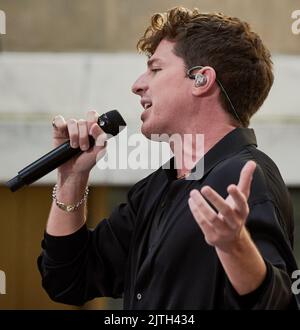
71	207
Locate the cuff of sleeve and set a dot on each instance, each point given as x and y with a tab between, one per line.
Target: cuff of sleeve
65	248
249	300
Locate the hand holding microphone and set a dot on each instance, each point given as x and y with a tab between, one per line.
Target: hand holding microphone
78	132
75	150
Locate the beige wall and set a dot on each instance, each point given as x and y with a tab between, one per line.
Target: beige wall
114	25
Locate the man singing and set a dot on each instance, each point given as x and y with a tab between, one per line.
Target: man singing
220	241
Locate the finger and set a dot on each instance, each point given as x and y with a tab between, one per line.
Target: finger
73	132
99	135
92	118
83	135
101	140
59	124
204	207
217	201
239	199
211	230
200	219
226	214
100	152
58	121
208	229
220	224
96	130
60	130
246	177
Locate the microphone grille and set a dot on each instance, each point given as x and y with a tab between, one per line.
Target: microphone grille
111	122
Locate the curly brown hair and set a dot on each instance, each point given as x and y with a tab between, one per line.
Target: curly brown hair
242	63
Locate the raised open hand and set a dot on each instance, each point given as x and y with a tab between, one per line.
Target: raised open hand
224	227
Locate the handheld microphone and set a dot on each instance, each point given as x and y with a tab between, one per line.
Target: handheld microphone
111	123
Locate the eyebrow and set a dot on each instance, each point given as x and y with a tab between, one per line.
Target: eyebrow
153	60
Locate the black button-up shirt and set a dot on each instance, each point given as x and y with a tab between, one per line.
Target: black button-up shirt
152	252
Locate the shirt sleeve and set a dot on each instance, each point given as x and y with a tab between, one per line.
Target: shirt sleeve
90	263
275	292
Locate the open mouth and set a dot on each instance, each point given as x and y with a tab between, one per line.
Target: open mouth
147	105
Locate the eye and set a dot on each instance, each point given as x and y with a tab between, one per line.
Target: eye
155	70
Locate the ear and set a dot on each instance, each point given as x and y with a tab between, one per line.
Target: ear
210	75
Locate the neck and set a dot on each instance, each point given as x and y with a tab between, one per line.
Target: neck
189	148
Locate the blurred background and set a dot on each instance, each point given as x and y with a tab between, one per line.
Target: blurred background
69	56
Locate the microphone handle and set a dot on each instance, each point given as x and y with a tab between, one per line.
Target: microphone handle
45	164
111	122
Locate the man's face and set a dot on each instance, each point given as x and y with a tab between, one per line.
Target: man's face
165	92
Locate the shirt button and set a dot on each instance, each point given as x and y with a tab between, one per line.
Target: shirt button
151	248
139	296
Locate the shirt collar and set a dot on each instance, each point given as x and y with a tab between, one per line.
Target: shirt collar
230	144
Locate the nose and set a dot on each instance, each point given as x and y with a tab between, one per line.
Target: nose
140	85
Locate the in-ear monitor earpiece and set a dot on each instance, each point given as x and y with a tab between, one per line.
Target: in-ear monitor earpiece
200	80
